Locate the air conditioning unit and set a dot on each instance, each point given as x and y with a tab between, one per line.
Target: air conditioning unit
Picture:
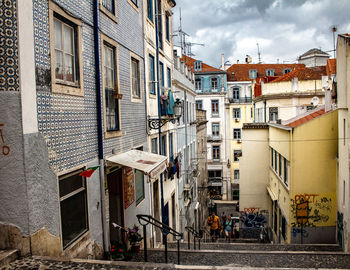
239	140
237	119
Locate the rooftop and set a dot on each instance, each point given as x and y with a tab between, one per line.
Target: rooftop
313	52
205	68
306	118
240	72
303	74
331	67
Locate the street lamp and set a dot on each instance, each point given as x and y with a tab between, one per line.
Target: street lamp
156	123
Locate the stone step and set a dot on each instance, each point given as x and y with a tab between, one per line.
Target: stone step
258	246
249	258
8	256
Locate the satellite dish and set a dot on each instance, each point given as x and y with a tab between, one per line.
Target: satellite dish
314	101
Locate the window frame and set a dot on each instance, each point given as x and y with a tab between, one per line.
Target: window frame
234	113
237	131
198	84
154	145
236	155
167	27
59	86
214	81
106	41
169	77
151	81
149	9
235	173
197	65
215	112
253	74
285	171
140	199
199	103
69	196
269	71
217	129
273	111
216	152
135	98
110	14
286	70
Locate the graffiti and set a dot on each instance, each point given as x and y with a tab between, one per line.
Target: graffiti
340	228
253	219
305	198
296	231
251	210
5	150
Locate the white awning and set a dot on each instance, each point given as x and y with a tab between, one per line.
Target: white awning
272	195
151	164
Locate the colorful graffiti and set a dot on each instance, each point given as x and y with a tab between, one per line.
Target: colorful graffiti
5	150
253	218
298	231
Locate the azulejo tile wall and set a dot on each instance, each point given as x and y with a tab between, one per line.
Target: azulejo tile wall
9	79
67	123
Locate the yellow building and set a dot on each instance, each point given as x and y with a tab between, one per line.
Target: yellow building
302	178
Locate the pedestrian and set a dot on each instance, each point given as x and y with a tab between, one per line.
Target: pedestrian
228	225
263	233
214	223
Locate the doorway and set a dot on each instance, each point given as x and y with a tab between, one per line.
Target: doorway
156	212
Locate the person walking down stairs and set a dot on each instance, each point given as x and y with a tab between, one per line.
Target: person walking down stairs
228	226
214	223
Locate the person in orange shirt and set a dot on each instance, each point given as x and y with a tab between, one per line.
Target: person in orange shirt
214	223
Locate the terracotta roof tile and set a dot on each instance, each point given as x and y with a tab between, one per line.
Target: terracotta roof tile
205	68
304	74
331	67
241	71
306	118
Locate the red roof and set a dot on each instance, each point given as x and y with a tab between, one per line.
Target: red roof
304	74
306	118
240	72
331	67
205	68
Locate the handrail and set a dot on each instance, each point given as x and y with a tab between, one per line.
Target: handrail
147	219
195	234
206	233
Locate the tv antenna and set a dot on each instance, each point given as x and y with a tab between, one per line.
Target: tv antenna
334	29
257	44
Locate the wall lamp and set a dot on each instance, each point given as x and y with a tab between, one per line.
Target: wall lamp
156	123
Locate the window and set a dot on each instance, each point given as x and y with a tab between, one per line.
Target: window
253	73
109	5
135	78
167	27
171	146
275	160
65	51
151	75
287	70
215	129
236	133
134	2
236	113
197	65
73	206
199	104
198	84
236	155
215	107
111	91
270	72
161	76
272	157
216	153
154	146
236	174
214	83
214	175
273	114
280	165
163	150
285	171
169	77
150	10
235	92
139	186
160	24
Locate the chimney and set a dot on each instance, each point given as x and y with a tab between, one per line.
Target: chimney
222	61
237	61
295	84
328	100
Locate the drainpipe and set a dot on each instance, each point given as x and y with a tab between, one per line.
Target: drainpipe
159	107
265	111
99	127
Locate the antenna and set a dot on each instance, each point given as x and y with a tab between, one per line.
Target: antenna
257	44
334	29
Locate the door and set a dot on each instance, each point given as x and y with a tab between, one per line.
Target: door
156	209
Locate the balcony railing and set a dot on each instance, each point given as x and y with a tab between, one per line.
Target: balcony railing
240	100
212	138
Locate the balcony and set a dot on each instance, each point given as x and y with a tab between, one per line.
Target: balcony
240	100
214	138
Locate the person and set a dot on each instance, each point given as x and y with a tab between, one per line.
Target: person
214	223
228	224
263	233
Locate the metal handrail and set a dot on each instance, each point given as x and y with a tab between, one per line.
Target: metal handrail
207	234
166	229
195	234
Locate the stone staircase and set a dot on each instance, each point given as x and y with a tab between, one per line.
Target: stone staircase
8	256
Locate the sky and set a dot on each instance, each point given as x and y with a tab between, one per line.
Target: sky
284	29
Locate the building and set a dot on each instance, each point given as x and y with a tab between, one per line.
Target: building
287	96
210	86
185	134
202	171
158	54
75	98
343	83
302	178
313	58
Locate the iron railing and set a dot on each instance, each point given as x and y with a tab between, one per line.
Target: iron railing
195	234
144	220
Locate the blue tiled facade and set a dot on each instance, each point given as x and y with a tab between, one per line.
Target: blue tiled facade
206	82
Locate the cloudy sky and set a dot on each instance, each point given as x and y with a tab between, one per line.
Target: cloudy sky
284	29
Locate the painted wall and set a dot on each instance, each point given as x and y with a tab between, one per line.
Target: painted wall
206	82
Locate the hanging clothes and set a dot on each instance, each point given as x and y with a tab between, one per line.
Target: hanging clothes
171	103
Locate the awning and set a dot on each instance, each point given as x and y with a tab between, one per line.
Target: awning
272	195
151	164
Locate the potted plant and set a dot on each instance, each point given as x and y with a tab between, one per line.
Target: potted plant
134	238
